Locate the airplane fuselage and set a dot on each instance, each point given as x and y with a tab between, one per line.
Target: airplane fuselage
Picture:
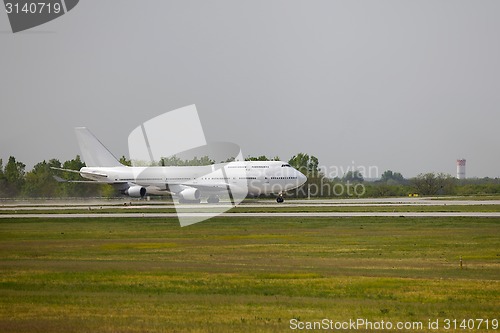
252	177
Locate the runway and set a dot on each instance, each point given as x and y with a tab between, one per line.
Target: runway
300	214
122	208
52	205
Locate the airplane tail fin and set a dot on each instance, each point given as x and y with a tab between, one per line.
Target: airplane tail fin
94	153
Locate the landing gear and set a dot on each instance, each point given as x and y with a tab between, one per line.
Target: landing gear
280	198
213	199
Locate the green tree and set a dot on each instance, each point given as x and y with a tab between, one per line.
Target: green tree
14	176
77	189
354	176
39	181
389	175
125	161
176	161
2	180
432	184
74	164
477	186
317	184
308	165
260	158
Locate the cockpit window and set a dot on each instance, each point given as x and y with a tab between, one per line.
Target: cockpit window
286	166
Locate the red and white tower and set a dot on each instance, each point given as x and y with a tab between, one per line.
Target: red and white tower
461	169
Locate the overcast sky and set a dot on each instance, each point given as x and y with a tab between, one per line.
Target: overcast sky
404	85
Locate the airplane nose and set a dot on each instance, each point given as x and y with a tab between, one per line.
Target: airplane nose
301	178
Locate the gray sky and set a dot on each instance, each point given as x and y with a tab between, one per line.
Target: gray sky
402	85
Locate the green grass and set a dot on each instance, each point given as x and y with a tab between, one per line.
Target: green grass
243	274
382	208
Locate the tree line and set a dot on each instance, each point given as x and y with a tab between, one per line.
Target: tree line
16	182
390	184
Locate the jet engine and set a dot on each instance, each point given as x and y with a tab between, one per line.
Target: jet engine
136	191
190	194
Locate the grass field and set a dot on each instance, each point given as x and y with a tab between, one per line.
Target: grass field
244	274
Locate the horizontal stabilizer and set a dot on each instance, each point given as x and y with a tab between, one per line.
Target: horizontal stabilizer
62	180
67	170
94	174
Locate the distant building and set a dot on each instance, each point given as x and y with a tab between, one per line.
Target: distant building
461	169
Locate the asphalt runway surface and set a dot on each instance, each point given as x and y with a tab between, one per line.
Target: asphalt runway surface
18	205
302	214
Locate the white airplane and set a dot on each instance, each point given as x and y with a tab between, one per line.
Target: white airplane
188	183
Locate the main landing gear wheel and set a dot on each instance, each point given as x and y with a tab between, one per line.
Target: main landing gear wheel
280	199
213	200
